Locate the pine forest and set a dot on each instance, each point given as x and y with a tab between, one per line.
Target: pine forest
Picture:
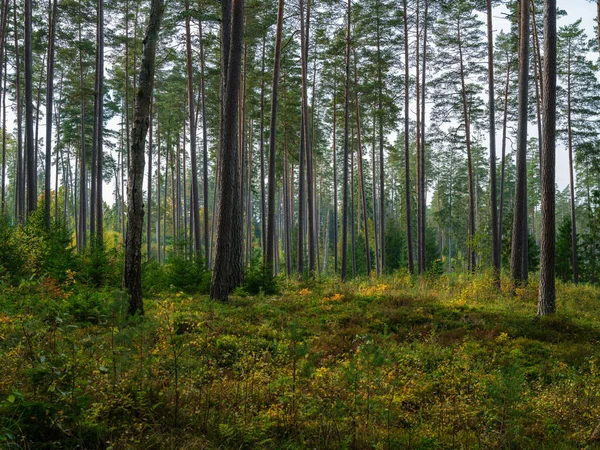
307	224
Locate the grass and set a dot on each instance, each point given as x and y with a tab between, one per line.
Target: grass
391	363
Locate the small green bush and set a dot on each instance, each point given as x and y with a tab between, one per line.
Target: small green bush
188	275
257	279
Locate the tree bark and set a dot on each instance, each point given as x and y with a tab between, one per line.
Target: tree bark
492	131
361	180
407	207
82	170
346	150
149	214
263	198
422	195
132	274
547	292
571	175
270	237
100	127
472	256
29	142
207	242
519	223
195	200
227	272
49	98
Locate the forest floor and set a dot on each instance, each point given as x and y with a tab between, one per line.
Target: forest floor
389	363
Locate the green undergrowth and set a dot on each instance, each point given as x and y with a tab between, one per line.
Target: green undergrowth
392	363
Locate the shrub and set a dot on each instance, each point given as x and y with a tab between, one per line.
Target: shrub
257	279
188	275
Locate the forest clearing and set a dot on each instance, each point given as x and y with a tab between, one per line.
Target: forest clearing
266	224
391	363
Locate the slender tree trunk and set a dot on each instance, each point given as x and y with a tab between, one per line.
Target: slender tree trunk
249	200
287	201
127	116
158	241
304	38
346	150
418	133
467	121
381	169
374	189
82	159
132	275
335	178
195	200
100	127
422	194
4	8
496	244
547	293
407	207
571	175
352	218
263	199
227	271
4	143
58	123
503	169
49	98
270	236
361	179
207	241
29	142
149	213
519	223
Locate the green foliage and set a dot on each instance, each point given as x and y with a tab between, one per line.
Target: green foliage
257	279
395	246
188	275
564	266
11	259
444	362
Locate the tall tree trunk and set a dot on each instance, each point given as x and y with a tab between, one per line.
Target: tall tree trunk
492	131
381	169
335	178
519	223
547	292
149	213
346	126
467	121
132	274
422	194
207	241
270	236
3	209
263	199
306	148
418	130
195	200
407	206
352	218
571	175
58	118
82	159
227	271
3	64
100	127
374	189
158	241
503	168
361	180
29	142
249	199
